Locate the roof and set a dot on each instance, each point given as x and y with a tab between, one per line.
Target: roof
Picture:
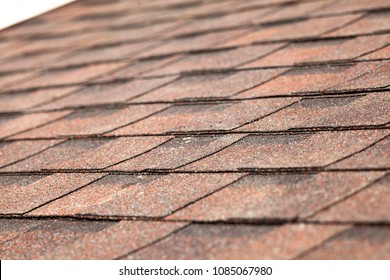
197	129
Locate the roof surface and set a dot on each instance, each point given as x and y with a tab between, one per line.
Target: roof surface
197	129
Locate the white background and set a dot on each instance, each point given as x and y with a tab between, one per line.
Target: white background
318	270
14	11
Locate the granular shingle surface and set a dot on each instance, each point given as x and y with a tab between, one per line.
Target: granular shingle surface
186	129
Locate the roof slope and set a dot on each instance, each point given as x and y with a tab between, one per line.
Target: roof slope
197	129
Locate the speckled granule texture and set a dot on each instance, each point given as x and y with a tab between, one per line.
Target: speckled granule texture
186	129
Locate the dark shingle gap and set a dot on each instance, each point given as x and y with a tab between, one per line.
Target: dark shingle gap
101	16
97	2
201	101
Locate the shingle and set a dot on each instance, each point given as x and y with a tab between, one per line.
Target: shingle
363	242
56	43
69	76
374	75
292	30
18	197
352	6
224	21
138	68
56	239
14	151
86	122
306	80
12	228
210	86
10	126
192	43
238	242
322	51
29	100
139	33
378	54
268	197
37	61
295	10
108	93
376	156
83	154
288	151
369	110
10	79
177	152
370	205
373	23
223	59
132	195
209	8
224	116
104	53
323	79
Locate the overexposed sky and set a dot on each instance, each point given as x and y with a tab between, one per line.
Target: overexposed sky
14	11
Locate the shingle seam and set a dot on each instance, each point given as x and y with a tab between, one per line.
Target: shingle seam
203	101
294	131
142	58
234	222
186	74
200	51
249	171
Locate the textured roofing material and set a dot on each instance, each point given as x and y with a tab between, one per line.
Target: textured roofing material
202	129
